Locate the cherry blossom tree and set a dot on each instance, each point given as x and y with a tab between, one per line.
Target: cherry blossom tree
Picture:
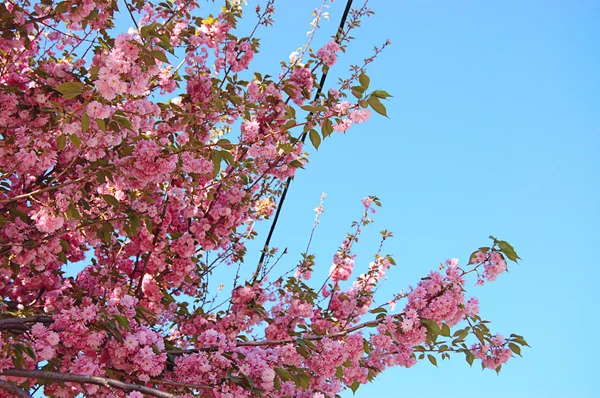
148	156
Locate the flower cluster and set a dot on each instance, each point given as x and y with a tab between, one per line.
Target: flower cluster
327	53
494	264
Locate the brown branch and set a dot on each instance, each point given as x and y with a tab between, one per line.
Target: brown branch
170	382
52	188
21	324
29	21
343	333
181	384
85	379
13	389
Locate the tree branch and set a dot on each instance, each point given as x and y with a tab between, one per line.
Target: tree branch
42	190
85	379
13	389
21	324
343	333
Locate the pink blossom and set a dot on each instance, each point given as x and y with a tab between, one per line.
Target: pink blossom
342	126
48	223
360	116
98	111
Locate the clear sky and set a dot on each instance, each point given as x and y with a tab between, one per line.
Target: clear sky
493	130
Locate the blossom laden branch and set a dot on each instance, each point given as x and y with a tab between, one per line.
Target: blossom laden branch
270	343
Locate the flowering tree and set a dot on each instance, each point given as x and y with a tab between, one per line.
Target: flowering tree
152	173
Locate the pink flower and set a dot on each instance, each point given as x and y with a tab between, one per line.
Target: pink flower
360	116
327	53
367	202
130	342
97	110
48	223
342	126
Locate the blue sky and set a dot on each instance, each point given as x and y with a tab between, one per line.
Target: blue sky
493	130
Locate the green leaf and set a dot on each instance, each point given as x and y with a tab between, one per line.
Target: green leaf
70	90
519	339
227	156
62	7
507	249
283	374
20	214
296	164
469	357
101	177
364	80
432	359
315	138
111	200
515	348
380	94
216	158
101	124
327	128
339	372
15	268
354	386
121	320
61	142
445	330
62	257
313	109
18	359
379	310
432	326
126	150
107	230
75	140
366	346
377	105
72	212
304	380
65	245
159	55
85	122
123	122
